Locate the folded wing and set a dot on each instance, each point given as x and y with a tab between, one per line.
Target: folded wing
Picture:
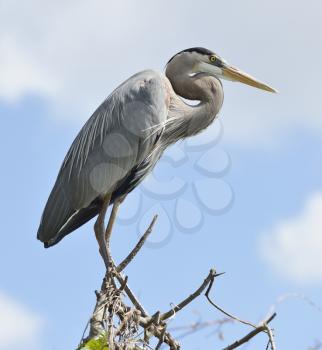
115	142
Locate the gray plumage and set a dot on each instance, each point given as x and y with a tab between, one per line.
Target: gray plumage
124	138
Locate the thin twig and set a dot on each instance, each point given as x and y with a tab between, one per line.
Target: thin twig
282	298
159	333
155	318
225	312
127	317
83	335
200	325
261	328
122	286
161	340
138	246
270	335
128	291
185	302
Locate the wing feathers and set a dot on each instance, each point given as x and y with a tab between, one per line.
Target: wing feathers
90	170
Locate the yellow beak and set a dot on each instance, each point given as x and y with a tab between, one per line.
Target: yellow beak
234	74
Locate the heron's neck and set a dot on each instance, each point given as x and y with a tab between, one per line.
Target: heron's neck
186	120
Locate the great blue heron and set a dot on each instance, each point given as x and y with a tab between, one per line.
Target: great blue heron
124	138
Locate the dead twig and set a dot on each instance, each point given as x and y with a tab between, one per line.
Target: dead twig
186	330
223	311
209	279
129	292
263	327
138	246
270	333
161	340
121	323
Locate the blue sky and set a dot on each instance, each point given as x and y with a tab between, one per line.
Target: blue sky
259	221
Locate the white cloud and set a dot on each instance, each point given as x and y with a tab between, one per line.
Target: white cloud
294	247
19	327
75	52
20	74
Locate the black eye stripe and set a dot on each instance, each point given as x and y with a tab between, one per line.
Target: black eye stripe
219	63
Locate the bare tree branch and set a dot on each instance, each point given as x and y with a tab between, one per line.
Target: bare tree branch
223	311
130	294
138	246
261	328
185	302
120	323
270	333
197	326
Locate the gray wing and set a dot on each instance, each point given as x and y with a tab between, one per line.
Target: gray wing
118	137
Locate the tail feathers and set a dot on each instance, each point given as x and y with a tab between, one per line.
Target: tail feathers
58	221
57	212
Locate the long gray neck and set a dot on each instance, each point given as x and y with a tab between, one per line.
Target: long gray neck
186	120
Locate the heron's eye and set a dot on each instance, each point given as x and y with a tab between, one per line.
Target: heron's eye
212	58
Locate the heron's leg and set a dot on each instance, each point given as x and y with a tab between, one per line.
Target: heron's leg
109	229
99	228
111	221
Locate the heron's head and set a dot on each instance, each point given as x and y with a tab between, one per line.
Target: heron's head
201	60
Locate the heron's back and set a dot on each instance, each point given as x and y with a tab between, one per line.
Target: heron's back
111	154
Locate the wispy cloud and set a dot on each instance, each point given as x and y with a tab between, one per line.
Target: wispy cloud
19	327
293	248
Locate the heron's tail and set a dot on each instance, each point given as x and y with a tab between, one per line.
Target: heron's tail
59	218
56	214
